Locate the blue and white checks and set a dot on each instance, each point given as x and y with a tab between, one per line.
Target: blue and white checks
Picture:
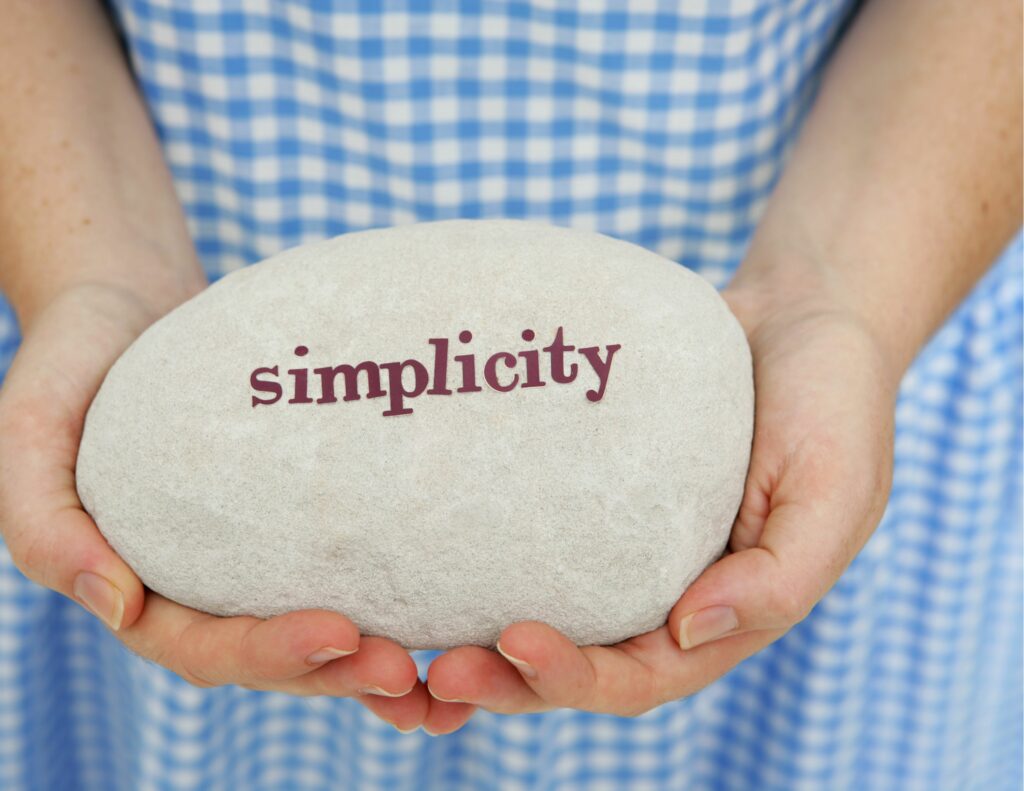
664	123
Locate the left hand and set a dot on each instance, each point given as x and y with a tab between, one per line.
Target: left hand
817	485
67	349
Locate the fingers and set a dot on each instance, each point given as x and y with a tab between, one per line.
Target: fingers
418	709
593	678
406	712
285	653
444	718
304	653
545	671
253	651
536	668
471	674
63	550
380	667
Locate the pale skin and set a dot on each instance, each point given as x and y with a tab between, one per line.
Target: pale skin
904	185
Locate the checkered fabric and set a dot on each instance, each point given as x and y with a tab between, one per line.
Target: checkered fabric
664	123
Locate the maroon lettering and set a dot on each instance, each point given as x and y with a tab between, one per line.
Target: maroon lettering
557	350
601	367
351	374
301	395
440	367
468	362
532	358
491	376
397	391
409	379
261	386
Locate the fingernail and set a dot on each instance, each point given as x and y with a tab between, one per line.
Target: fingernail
706	625
525	668
429	732
384	692
326	654
101	597
404	730
435	696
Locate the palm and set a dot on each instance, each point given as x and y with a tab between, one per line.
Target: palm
817	484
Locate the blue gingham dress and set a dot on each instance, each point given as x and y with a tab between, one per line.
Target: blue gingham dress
664	123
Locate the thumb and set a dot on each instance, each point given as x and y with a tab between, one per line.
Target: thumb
68	554
53	541
74	559
774	585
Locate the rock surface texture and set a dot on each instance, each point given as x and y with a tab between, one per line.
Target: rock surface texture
235	478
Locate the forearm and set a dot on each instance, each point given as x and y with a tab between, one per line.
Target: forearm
85	196
906	180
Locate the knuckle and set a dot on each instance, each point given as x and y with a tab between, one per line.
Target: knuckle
29	556
192	675
790	604
316	686
637	710
639	691
19	555
580	695
644	702
661	689
318	683
313	685
194	680
253	656
179	658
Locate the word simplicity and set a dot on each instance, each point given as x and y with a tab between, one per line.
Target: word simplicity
502	371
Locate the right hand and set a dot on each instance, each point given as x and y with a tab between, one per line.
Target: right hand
67	350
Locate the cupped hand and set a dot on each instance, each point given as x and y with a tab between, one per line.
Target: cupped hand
819	477
66	352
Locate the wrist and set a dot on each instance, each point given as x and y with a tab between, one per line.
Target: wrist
772	296
147	288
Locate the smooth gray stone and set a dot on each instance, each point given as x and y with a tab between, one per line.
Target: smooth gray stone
442	526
